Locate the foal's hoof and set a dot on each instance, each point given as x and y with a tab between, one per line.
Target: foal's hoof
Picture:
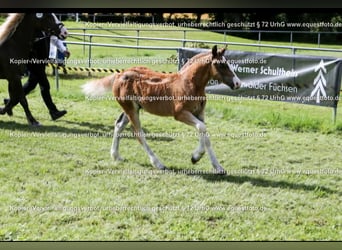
194	160
220	171
161	166
119	159
196	157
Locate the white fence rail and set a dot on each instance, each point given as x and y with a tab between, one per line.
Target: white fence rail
88	42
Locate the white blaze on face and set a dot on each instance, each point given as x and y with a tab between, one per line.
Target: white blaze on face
63	31
236	80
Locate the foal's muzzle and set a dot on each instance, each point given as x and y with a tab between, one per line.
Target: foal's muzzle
237	82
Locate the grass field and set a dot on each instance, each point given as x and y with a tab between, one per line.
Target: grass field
59	182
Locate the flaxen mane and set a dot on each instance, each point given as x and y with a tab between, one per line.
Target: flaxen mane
10	25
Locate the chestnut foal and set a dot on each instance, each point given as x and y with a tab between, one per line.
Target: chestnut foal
181	95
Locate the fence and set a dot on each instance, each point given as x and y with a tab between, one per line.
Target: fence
88	40
259	34
94	18
88	44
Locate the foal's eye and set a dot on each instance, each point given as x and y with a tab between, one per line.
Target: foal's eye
221	63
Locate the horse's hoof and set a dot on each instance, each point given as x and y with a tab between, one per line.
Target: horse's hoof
196	157
118	159
193	160
9	111
36	124
161	167
220	171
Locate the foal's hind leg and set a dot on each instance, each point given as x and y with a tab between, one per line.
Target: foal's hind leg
133	115
120	124
190	119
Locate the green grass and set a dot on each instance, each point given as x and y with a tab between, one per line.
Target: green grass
276	187
59	182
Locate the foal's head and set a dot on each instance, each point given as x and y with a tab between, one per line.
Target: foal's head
221	69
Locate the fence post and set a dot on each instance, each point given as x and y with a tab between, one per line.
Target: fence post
89	53
334	115
178	57
291	38
56	76
319	39
184	37
259	38
138	35
84	39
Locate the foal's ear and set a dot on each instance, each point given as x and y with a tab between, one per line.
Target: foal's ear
224	49
221	51
214	51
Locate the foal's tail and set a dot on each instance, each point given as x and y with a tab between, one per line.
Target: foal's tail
99	87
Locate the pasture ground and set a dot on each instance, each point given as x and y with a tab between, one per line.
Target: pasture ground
59	182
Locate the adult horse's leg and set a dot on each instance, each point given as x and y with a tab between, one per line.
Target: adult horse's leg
133	115
190	119
16	94
29	116
120	124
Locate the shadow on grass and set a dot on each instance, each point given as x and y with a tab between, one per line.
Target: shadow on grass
256	181
127	133
86	129
77	75
93	126
14	126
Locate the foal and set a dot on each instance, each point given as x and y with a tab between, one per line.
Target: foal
181	95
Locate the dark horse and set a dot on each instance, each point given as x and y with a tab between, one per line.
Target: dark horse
17	35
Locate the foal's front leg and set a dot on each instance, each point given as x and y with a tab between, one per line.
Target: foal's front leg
190	119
